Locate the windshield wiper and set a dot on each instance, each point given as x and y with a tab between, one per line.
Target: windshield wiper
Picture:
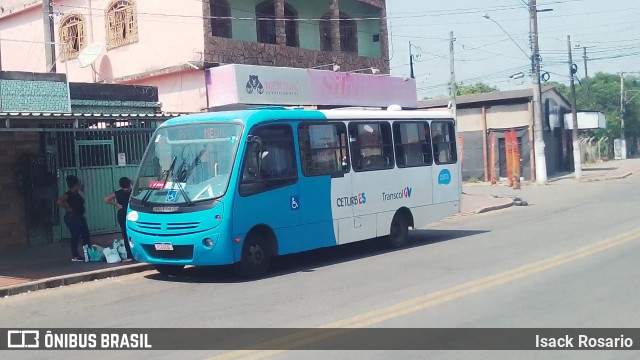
164	183
184	194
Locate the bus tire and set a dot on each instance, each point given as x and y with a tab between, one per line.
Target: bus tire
399	231
256	256
169	270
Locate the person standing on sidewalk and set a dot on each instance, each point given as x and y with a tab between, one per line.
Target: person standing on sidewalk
74	218
122	202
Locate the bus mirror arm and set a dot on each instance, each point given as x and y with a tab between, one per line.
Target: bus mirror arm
255	140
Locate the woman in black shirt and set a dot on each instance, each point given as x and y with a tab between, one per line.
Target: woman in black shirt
122	202
74	218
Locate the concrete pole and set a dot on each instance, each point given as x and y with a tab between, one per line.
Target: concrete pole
577	161
623	138
541	161
49	37
453	89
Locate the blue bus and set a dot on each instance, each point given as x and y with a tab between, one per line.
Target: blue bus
242	187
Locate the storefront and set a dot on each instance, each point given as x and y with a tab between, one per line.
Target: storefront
241	86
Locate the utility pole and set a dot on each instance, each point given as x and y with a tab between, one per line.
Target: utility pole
584	57
49	40
623	139
411	61
453	89
577	161
541	163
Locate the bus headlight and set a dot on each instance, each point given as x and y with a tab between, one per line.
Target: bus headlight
132	216
131	242
208	243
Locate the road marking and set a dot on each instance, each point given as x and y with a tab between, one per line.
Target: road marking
305	337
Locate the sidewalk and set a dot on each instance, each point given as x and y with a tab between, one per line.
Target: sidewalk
50	266
604	171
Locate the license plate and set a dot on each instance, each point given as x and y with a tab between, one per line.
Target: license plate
164	246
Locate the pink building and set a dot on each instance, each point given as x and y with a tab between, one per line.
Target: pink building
170	44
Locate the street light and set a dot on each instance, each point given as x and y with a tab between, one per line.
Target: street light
486	16
540	162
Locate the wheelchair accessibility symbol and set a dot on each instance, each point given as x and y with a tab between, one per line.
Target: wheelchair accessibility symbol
295	202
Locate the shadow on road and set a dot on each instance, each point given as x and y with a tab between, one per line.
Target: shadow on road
309	261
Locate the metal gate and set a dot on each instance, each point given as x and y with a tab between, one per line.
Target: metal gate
99	158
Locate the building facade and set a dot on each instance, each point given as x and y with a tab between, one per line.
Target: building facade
51	129
159	43
481	116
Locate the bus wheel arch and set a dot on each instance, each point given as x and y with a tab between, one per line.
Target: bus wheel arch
399	228
259	247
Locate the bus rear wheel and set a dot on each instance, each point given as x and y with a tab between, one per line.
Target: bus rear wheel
256	257
169	270
399	232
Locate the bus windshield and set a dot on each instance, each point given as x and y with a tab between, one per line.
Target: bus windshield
187	163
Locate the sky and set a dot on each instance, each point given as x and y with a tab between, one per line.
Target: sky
484	52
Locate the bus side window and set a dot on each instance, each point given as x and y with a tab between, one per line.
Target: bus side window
371	146
412	143
444	142
323	149
272	164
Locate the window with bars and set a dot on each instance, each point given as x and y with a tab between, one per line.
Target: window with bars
266	24
121	23
72	36
220	18
348	33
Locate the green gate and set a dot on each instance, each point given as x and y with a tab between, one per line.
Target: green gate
99	159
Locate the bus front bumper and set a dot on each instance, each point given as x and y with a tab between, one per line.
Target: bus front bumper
200	249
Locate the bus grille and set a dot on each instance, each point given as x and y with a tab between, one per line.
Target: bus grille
183	226
148	225
179	252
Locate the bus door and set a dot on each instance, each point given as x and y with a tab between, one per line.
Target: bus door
372	160
326	187
268	191
446	175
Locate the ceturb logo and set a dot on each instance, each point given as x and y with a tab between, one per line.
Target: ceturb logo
404	194
359	199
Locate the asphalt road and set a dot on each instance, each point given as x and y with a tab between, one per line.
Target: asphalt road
567	260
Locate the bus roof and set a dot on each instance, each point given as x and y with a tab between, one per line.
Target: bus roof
254	116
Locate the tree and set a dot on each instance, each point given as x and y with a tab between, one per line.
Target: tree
602	93
477	88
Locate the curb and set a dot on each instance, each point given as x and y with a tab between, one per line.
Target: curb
487	209
608	178
493	208
64	280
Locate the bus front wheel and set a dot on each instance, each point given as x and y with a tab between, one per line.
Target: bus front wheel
169	270
399	232
256	257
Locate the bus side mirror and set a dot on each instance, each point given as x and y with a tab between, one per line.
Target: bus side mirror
255	149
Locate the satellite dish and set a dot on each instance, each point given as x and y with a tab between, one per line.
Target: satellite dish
89	55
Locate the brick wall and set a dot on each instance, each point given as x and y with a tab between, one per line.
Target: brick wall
229	51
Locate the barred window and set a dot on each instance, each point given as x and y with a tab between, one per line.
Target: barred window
220	18
348	33
72	36
266	24
121	23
